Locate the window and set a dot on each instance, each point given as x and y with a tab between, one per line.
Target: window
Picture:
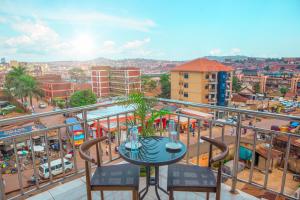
186	94
186	85
206	96
206	86
213	76
207	76
186	75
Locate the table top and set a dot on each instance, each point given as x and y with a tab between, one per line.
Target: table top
153	152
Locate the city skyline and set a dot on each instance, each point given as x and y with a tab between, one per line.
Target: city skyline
52	30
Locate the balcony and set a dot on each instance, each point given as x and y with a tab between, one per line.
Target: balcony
273	150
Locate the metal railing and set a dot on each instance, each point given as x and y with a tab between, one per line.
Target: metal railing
120	122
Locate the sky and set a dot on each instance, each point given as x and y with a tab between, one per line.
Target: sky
157	29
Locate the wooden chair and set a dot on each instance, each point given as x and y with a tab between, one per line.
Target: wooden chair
193	178
108	178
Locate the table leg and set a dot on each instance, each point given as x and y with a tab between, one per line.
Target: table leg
152	181
145	190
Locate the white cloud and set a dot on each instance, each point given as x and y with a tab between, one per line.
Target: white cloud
104	19
69	16
235	51
136	43
32	33
36	39
215	52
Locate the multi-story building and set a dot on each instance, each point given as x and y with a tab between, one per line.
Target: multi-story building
202	81
107	81
56	89
100	80
123	81
271	84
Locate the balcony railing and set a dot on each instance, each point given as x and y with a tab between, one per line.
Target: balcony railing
12	189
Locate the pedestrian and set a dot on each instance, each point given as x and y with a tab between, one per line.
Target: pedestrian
106	150
232	131
33	108
250	123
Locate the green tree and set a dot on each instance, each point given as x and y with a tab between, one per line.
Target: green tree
78	75
152	85
256	88
165	86
30	87
19	84
83	98
143	111
267	68
283	91
236	84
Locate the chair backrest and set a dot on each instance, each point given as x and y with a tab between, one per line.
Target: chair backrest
220	145
218	158
85	147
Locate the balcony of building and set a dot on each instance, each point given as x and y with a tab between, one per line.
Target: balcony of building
246	177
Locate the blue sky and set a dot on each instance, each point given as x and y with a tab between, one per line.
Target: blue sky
159	29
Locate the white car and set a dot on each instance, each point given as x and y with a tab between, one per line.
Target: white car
56	168
42	105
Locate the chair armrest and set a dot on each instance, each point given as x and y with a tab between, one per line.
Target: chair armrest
86	146
220	145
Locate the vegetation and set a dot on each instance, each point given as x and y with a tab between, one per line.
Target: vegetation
83	98
148	84
267	68
78	75
283	91
19	84
59	102
165	86
143	107
236	84
256	88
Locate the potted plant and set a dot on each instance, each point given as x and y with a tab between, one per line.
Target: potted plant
144	114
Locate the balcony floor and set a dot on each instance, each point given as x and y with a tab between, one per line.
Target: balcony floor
76	190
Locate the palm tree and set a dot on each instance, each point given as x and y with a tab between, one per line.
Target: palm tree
13	85
20	85
143	107
30	87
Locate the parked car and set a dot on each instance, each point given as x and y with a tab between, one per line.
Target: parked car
220	122
9	107
56	109
56	168
42	105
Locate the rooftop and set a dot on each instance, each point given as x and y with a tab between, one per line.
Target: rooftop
202	65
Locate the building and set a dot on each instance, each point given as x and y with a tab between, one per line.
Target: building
202	81
3	61
108	81
272	83
56	89
100	80
123	81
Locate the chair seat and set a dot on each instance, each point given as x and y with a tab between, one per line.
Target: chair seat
123	175
190	177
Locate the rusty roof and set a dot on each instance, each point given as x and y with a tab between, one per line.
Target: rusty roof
202	65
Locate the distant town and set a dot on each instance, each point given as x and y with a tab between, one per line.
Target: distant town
49	109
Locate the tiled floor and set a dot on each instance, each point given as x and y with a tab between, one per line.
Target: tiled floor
76	190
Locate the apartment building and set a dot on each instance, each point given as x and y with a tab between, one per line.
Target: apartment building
202	81
108	81
123	81
56	89
100	80
271	84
